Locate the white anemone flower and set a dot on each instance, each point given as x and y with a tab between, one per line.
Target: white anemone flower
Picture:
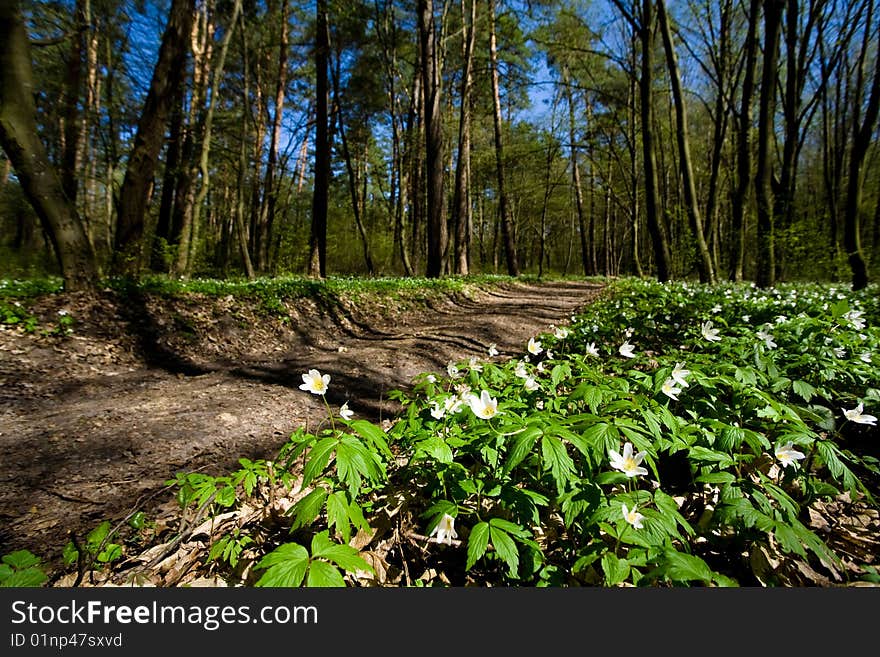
493	350
534	347
452	370
858	416
787	455
626	350
855	318
865	357
767	338
628	463
632	517
452	404
709	333
560	333
445	530
679	375
484	406
670	389
592	349
520	370
840	352
475	365
315	382
531	384
345	412
437	411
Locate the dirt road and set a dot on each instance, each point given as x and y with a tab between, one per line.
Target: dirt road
93	423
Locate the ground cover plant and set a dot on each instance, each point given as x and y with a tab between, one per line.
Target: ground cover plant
673	434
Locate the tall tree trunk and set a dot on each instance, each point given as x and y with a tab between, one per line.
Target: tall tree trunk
434	155
186	252
270	192
576	177
704	261
766	274
656	223
317	265
138	182
740	199
503	210
240	230
863	129
159	260
72	120
20	140
461	202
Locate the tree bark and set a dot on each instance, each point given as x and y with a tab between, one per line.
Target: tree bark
656	223
863	128
20	140
317	265
503	210
766	273
704	261
434	153
138	182
461	203
740	198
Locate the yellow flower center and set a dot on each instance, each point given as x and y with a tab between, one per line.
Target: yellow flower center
630	464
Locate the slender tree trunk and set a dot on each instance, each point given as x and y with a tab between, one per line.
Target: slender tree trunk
766	274
270	186
240	230
162	235
138	182
317	266
434	155
576	177
863	129
20	139
461	202
503	210
186	252
704	262
72	119
740	199
656	223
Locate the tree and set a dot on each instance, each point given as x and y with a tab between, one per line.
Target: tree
503	209
704	259
766	275
136	187
434	152
39	180
863	128
317	264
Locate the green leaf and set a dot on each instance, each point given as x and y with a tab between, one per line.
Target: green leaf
337	514
325	575
27	578
285	566
344	556
522	447
560	372
804	389
716	478
616	570
373	434
557	460
681	567
317	460
478	542
308	508
21	559
437	448
505	548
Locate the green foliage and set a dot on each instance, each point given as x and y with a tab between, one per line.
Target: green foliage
731	442
21	569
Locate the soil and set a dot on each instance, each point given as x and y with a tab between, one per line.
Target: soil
93	423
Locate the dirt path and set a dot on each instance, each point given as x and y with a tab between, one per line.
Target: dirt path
92	424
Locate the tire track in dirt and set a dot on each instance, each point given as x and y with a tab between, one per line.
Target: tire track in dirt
78	448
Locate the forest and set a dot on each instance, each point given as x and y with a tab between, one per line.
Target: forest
429	293
726	140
